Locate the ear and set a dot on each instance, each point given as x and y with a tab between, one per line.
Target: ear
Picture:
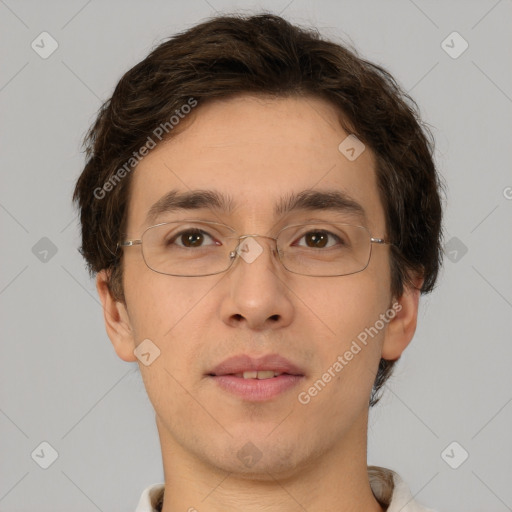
401	328
117	321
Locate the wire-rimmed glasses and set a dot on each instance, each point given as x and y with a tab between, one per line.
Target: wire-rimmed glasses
194	248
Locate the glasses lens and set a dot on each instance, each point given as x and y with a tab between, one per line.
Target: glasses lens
324	249
188	248
201	248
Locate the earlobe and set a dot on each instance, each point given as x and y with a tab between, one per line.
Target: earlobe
402	327
117	321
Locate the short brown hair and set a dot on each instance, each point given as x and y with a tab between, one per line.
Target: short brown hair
265	54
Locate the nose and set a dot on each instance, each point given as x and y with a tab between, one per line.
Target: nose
256	294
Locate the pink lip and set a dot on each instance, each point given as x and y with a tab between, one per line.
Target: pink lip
256	390
244	363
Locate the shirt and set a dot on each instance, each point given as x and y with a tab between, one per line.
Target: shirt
387	486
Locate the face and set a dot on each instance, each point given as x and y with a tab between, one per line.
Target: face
258	151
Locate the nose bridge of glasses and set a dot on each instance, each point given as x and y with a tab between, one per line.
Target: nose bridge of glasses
244	237
248	249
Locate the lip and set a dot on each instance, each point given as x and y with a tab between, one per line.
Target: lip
245	363
256	390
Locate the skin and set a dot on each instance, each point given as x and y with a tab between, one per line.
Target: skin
313	456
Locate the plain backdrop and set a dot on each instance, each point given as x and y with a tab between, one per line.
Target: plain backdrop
61	382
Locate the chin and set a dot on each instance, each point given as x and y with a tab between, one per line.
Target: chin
258	455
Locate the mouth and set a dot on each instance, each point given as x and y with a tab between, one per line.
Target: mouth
260	375
256	379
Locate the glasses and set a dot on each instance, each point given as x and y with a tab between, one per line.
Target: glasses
193	248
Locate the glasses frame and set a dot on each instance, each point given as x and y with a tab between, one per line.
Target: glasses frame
233	255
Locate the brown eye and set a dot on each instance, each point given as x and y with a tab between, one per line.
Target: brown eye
316	239
319	239
192	239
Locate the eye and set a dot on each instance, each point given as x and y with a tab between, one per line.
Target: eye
191	238
319	239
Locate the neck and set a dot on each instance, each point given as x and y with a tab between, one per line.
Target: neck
336	478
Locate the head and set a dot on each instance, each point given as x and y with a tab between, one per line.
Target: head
255	109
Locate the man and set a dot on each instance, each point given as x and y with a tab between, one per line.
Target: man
262	211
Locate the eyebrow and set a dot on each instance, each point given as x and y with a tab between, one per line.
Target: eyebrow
309	200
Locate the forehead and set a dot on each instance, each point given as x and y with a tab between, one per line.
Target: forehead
257	152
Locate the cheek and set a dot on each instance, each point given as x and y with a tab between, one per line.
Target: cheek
343	307
349	347
167	311
157	302
349	338
176	315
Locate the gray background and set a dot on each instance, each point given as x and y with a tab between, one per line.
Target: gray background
61	381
